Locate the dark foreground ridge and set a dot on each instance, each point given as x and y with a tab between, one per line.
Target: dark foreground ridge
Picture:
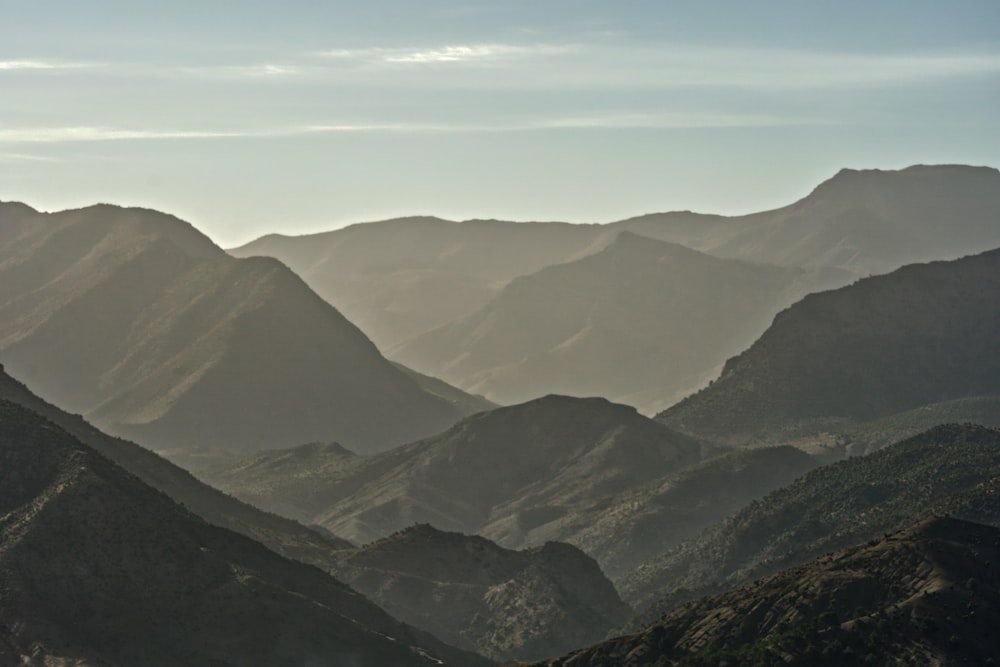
928	595
99	569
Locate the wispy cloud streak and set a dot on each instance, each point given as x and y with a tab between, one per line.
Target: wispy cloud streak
610	121
458	53
13	65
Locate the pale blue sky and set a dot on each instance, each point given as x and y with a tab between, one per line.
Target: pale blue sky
251	117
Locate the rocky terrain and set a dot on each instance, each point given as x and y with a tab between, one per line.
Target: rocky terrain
506	605
950	468
100	569
284	536
927	595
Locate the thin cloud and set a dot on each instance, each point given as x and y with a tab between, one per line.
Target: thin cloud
11	65
87	133
623	120
262	71
24	157
446	54
673	120
764	68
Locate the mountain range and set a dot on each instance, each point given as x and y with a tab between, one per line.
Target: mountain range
754	522
584	471
515	311
867	221
927	595
282	535
100	569
641	322
402	573
949	469
139	322
923	334
512	474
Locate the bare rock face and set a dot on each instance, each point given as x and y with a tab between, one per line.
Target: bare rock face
506	605
139	322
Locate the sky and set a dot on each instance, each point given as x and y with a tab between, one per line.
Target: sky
247	118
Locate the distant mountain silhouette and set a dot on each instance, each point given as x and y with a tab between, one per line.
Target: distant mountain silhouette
415	283
136	320
923	334
399	278
949	468
98	568
926	595
506	605
866	221
641	322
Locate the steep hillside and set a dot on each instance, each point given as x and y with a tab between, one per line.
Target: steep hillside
867	221
927	595
920	335
512	474
642	322
399	278
846	503
100	569
629	528
284	536
506	605
137	321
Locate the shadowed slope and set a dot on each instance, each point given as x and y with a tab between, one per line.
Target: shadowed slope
926	595
920	335
507	605
943	469
509	474
287	537
98	568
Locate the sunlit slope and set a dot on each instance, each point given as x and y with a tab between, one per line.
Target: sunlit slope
134	319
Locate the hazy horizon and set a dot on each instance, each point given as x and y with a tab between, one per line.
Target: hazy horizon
306	117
